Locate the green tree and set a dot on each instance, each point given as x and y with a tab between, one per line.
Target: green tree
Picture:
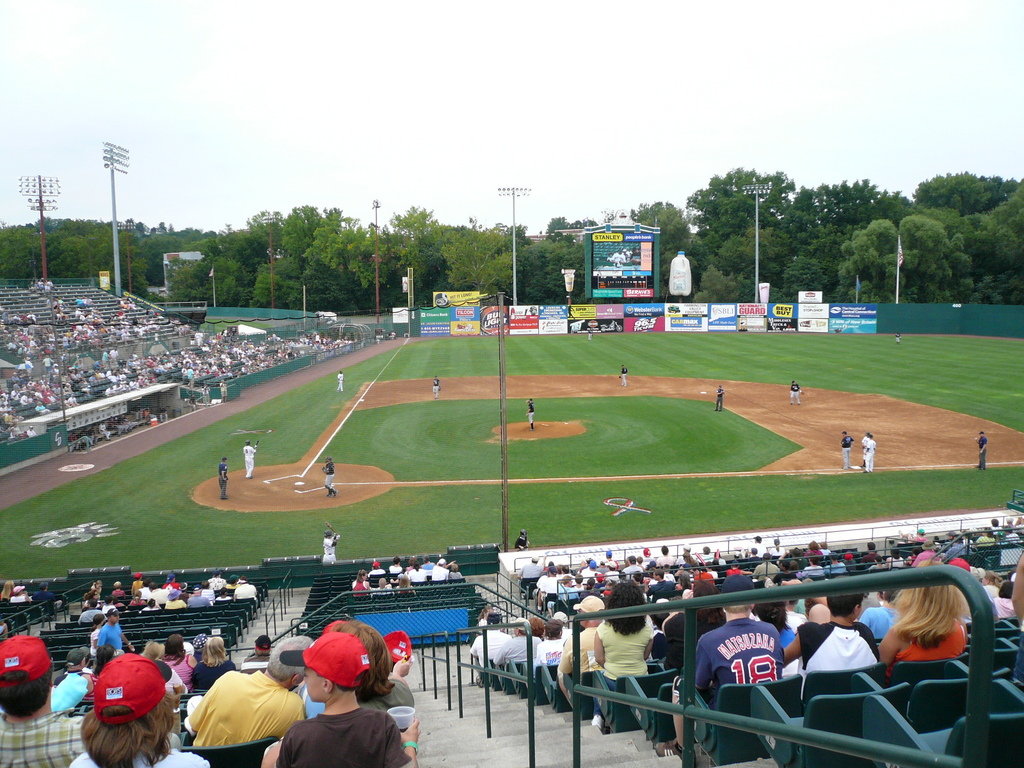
715	286
477	259
964	193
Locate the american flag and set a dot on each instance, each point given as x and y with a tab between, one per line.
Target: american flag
899	251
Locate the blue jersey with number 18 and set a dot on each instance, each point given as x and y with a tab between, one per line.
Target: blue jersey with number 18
741	651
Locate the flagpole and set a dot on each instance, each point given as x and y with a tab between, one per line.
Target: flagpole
899	263
858	290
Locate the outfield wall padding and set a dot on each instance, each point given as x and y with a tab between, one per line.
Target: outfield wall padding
957	319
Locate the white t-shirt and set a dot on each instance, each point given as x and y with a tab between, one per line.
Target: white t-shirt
175	759
439	573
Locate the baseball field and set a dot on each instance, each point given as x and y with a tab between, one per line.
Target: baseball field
417	475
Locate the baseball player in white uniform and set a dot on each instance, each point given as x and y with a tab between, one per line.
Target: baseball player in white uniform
794	394
624	376
529	412
869	445
249	454
341	381
435	387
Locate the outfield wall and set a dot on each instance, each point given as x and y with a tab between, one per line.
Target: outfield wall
722	317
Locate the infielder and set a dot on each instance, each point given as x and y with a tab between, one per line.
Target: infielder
624	376
982	450
719	397
249	454
341	381
529	412
436	387
330	543
794	394
222	476
846	443
329	477
869	445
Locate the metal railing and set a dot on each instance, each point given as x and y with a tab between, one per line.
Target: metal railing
978	702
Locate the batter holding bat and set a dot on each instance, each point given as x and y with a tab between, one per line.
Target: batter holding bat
249	454
331	537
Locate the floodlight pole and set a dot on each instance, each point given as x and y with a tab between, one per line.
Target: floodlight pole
376	257
34	187
503	421
116	159
757	190
514	192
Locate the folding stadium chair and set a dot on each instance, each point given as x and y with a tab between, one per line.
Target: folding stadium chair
914	671
838	682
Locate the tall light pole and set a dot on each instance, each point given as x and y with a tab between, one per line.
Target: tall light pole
116	159
269	220
34	188
757	190
376	256
128	227
514	192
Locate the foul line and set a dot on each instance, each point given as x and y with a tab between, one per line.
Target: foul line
351	410
616	478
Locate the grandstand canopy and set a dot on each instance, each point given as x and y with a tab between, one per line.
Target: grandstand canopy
94	412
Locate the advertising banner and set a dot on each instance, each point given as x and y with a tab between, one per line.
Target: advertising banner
609	310
684	310
491	321
750	324
812	325
435	322
852	325
853	318
643	310
645	324
582	312
465	321
457	298
808	311
523	320
553	320
722	317
690	324
752	310
809	297
782	324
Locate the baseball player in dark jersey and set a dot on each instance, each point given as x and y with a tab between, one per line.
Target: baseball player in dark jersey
222	476
329	477
846	443
719	397
794	394
624	376
435	387
982	450
529	412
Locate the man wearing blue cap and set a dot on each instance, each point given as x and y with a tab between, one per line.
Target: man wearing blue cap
743	650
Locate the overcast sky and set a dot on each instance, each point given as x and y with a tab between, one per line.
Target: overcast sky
229	108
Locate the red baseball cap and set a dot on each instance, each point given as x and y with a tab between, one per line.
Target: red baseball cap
129	681
399	644
24	653
647	551
848	556
336	656
959	562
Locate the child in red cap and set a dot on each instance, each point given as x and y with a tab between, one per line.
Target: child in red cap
132	719
345	735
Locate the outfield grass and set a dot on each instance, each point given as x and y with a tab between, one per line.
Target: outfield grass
147	498
454	440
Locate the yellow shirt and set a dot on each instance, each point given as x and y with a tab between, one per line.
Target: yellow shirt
586	652
624	654
242	708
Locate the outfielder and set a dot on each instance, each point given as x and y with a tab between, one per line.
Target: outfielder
529	412
249	454
624	376
341	381
436	387
329	477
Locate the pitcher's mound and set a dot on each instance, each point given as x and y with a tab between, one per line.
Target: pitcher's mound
543	430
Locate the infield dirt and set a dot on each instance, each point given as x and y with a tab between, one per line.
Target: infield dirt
909	435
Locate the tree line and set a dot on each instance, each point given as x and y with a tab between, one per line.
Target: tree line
962	237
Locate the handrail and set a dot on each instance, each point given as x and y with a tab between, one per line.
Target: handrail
978	703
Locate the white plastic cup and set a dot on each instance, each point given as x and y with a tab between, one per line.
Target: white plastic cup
403	716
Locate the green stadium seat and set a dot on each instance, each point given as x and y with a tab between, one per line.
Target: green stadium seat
837	682
247	755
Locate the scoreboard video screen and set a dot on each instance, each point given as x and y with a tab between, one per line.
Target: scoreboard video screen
622	262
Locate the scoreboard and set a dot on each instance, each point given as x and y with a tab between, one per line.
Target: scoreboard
621	262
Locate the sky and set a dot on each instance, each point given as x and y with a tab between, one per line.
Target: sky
232	108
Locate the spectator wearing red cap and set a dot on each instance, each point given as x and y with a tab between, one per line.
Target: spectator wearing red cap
334	667
30	733
260	657
131	720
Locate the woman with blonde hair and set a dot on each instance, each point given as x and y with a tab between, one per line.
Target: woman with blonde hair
929	626
5	595
130	722
214	664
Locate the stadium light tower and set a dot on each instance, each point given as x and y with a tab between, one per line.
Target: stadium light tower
41	192
116	159
514	192
376	256
758	191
